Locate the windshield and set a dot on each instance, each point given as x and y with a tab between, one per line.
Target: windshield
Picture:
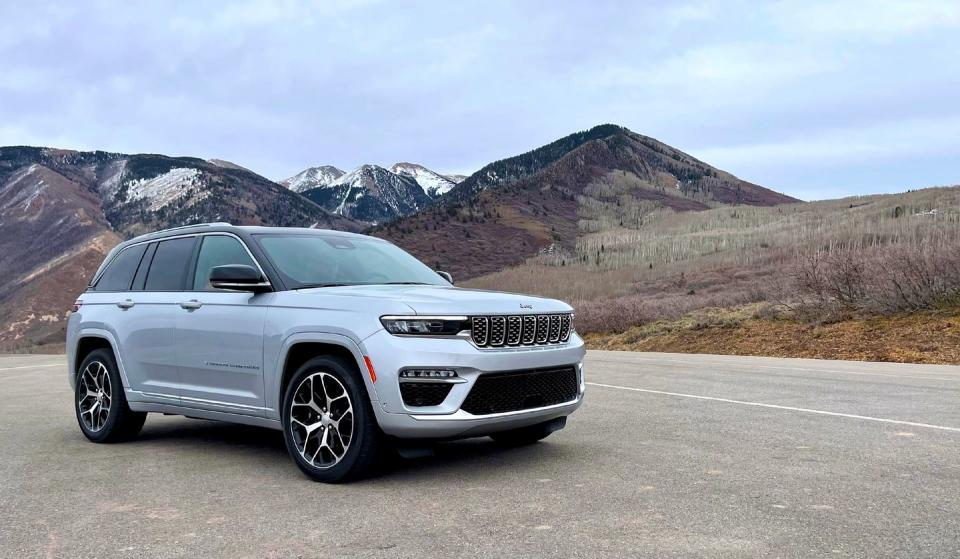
324	261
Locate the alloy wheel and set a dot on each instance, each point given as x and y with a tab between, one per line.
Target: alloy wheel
321	420
95	396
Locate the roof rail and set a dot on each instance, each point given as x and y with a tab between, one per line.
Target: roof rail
194	225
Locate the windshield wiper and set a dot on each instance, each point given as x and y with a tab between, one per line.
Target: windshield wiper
404	283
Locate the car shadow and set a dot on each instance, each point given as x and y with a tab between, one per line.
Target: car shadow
201	433
448	458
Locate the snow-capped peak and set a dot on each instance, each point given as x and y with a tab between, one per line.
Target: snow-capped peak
371	193
434	184
313	177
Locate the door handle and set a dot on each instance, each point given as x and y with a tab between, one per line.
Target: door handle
191	305
126	304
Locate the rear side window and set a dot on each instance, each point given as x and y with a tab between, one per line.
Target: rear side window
119	273
169	267
218	250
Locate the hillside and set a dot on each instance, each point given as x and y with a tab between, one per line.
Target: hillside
61	211
544	200
775	269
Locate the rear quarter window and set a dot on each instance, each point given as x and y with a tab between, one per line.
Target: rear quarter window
120	271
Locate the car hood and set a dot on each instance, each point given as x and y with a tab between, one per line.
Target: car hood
442	300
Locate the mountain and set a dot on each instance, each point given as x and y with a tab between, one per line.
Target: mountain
455	179
434	184
372	194
61	211
312	177
544	200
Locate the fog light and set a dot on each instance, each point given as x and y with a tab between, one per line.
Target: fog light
428	373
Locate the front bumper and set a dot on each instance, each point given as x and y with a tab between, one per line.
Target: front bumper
389	354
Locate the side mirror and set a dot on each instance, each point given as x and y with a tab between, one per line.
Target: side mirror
446	276
239	277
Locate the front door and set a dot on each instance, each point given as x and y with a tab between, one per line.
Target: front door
220	335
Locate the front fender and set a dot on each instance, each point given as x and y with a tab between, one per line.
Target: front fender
275	359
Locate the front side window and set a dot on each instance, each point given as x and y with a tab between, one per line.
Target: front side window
119	273
169	267
218	250
329	260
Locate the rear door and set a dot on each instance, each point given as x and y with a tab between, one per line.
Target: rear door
220	334
112	306
150	329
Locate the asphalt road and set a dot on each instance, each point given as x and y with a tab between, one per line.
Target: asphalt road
670	456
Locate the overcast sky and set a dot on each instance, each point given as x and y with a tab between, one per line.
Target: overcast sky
818	99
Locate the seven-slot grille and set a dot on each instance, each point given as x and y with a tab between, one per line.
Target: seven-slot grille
521	390
520	330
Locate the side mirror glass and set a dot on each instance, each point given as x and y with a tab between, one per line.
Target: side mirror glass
238	277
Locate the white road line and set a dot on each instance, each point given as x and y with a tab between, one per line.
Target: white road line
778	407
775	367
33	366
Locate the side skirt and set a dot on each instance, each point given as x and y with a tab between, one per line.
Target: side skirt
207	414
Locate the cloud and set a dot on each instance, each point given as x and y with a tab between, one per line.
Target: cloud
876	142
866	18
279	86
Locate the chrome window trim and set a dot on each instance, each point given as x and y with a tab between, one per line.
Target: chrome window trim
187	236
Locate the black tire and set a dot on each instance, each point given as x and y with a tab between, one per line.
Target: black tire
364	451
529	435
121	423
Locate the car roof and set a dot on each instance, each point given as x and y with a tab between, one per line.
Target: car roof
240	230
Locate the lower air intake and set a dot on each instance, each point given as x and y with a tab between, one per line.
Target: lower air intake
420	394
521	390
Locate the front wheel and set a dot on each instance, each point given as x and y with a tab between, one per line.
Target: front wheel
328	423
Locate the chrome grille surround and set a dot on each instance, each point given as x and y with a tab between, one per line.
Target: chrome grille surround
529	334
480	330
543	328
520	330
498	330
514	327
554	331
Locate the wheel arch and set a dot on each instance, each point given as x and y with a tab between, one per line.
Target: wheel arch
300	348
89	341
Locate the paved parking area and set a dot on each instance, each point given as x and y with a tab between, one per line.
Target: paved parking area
670	456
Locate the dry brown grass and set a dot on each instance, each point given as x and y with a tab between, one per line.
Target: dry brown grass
635	263
922	337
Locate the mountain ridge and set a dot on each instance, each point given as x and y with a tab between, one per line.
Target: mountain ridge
539	200
62	210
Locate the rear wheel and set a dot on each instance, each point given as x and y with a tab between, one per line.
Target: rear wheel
100	403
529	435
328	423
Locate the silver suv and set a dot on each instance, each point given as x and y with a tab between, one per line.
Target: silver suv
344	342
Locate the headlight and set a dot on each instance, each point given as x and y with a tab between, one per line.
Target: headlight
424	325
